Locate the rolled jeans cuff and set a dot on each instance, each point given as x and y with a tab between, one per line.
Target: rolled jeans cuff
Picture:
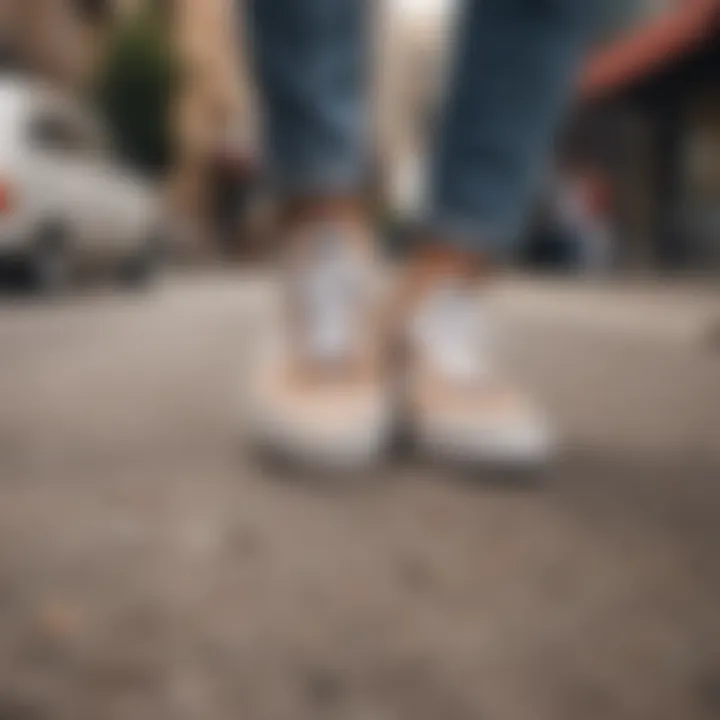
472	236
319	180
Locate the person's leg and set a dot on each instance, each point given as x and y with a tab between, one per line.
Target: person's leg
513	72
311	58
318	393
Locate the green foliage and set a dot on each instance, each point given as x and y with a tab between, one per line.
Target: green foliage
136	89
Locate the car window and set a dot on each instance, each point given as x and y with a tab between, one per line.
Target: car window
63	132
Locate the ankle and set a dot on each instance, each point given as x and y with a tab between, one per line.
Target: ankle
299	212
432	264
436	260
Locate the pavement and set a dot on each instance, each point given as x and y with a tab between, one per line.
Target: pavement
151	568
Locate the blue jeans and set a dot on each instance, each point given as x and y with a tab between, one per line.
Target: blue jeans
512	73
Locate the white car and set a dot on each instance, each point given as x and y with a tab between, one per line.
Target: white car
65	200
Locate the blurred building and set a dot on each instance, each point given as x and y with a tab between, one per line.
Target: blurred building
649	116
215	119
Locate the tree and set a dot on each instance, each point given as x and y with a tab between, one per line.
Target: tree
137	85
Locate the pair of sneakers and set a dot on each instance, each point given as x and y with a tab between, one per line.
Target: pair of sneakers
335	378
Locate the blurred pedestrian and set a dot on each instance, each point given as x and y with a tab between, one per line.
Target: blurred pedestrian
329	390
584	210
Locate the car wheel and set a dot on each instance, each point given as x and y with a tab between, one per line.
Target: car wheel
141	269
49	264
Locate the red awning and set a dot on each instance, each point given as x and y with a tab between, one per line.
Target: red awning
651	48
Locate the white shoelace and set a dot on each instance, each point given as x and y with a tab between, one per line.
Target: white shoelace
330	287
453	334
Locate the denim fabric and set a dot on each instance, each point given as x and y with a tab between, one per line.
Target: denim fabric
510	80
312	63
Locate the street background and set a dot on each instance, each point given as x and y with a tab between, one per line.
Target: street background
151	568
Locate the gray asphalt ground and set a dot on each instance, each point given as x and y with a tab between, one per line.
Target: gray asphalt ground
150	568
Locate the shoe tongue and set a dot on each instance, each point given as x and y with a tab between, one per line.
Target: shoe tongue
452	333
330	288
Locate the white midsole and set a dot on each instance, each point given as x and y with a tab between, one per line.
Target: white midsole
528	445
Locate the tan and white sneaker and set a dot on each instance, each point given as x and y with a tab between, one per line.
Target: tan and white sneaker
458	406
319	393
